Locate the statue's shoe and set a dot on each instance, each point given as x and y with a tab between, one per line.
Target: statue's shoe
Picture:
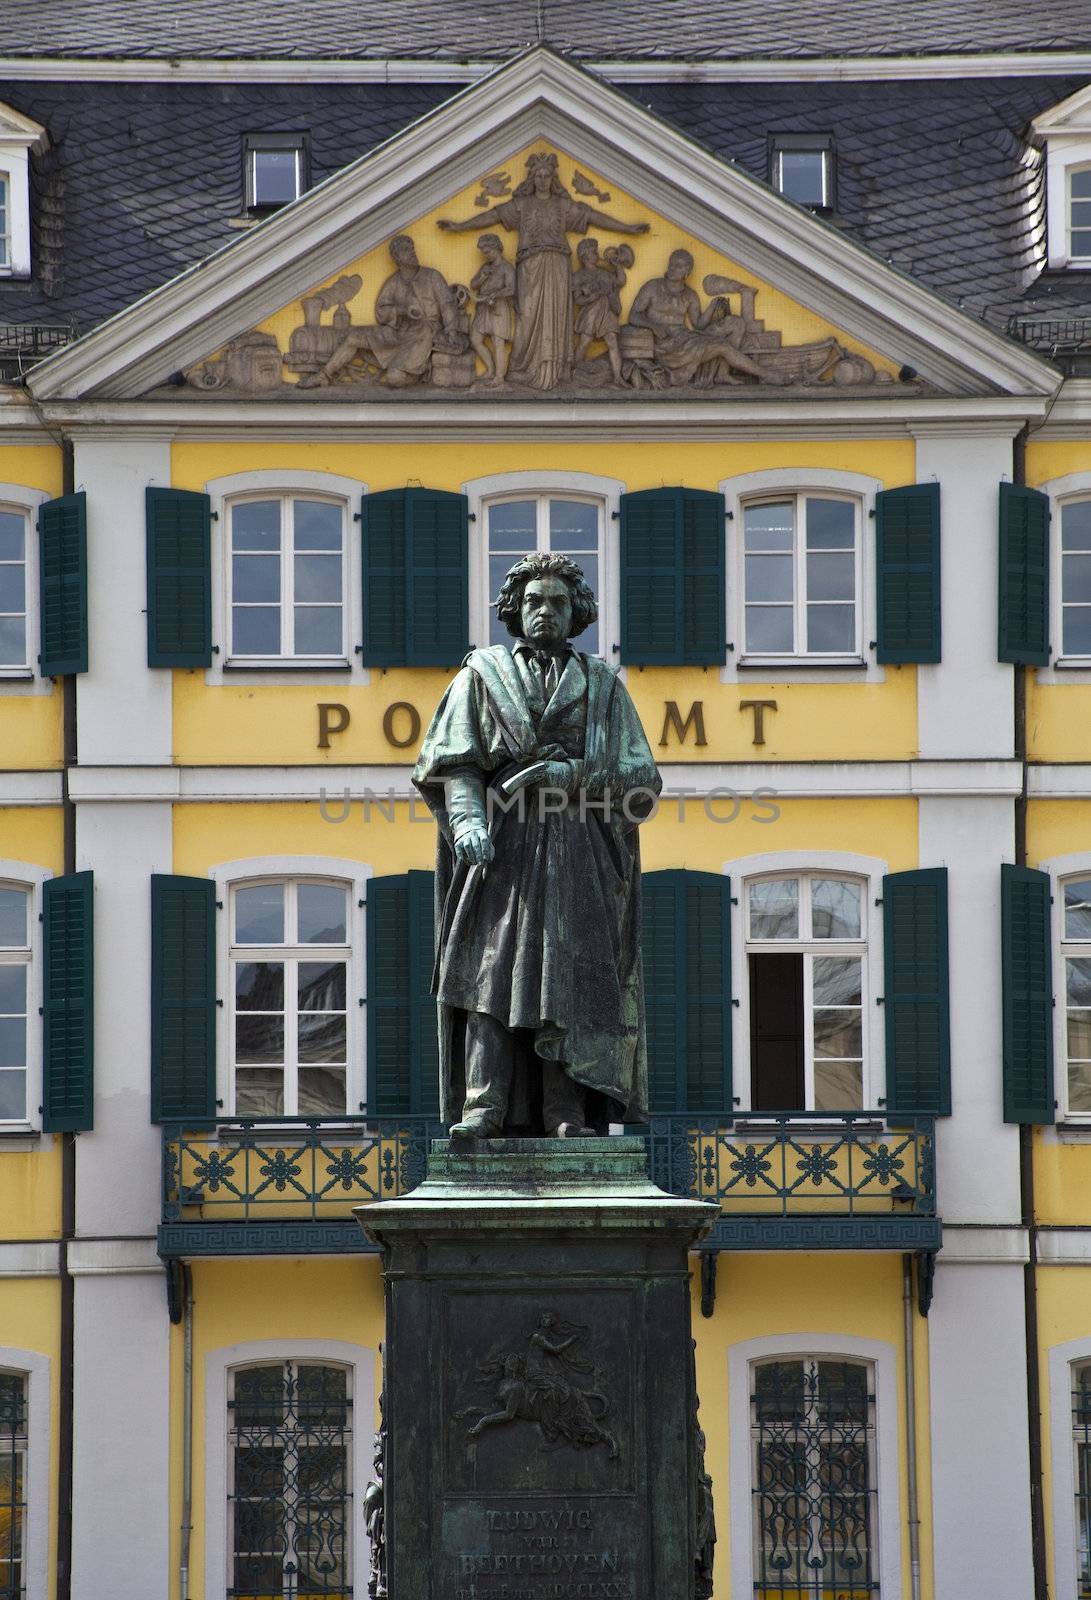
477	1125
572	1130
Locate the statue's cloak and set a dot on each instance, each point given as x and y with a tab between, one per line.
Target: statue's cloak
547	936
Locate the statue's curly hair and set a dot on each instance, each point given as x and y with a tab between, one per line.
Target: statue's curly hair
509	601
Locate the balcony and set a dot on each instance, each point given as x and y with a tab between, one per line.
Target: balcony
784	1181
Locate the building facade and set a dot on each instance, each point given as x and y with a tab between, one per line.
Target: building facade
786	354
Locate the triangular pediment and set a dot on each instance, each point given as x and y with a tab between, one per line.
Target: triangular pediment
311	304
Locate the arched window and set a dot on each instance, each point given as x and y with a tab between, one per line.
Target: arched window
13	1484
813	1477
290	1489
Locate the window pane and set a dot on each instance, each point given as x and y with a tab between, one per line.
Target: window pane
322	1036
769	527
1081	243
837	1033
256	630
255	578
259	1396
831	524
513	526
836	981
321	1092
321	985
12	536
318	525
769	629
259	986
573	526
498	567
322	1394
1076	576
259	1036
1077	908
259	1092
318	578
259	914
802	176
1076	631
322	911
13	1108
838	1086
1079	1086
831	575
13	990
768	577
13	1041
1076	525
1081	183
13	587
255	525
318	631
1078	981
1079	1035
13	919
774	909
831	629
588	640
1081	214
835	909
13	642
275	176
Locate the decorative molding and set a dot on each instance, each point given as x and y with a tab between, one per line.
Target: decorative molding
194	1240
537	96
800	1232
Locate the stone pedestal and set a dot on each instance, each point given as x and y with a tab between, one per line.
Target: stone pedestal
540	1409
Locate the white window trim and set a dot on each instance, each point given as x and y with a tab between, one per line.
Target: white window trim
884	1361
479	491
1063	152
19	135
837	864
354	874
27	679
1062	1358
1076	669
36	1544
362	1362
862	668
256	148
1058	868
23	875
283	671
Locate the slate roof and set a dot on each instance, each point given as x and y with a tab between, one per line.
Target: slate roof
495	29
142	180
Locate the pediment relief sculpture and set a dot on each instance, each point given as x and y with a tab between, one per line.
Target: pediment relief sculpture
543	323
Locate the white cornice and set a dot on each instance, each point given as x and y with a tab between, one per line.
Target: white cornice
827	69
538	96
1069	417
1070	116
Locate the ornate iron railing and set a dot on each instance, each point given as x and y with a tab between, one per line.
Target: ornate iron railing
289	1169
849	1164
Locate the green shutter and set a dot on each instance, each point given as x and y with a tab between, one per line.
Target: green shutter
179	557
62	554
402	1039
183	998
673	600
1026	966
415	577
68	1011
908	566
686	939
916	1001
1024	576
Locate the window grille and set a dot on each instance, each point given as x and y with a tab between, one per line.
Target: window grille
290	1486
814	1497
13	1486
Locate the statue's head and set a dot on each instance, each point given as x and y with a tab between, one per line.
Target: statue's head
403	250
679	266
588	252
545	598
542	177
489	245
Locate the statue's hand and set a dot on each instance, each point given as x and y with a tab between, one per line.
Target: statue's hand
445	223
474	847
562	775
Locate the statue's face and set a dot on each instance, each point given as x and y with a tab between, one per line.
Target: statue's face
405	255
678	268
543	180
546	612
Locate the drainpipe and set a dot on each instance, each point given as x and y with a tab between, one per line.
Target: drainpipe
68	1153
1027	1207
187	1431
911	1428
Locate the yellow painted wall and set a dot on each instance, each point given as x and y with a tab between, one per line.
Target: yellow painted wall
1058	714
1064	1313
30	722
457	257
278	725
30	1320
683	834
240	1301
30	1180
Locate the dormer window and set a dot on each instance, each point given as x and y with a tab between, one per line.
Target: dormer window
275	169
18	137
801	168
1065	131
1079	214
